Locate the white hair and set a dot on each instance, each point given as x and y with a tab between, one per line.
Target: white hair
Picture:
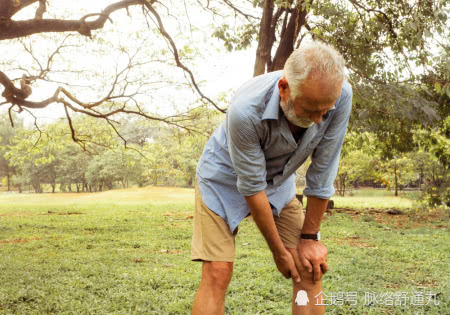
314	59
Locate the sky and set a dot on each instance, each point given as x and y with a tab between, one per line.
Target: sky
218	71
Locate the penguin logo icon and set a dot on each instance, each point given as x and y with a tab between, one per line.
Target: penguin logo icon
302	298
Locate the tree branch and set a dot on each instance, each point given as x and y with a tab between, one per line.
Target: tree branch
10	89
176	56
117	97
16	29
41	9
386	18
247	16
22	4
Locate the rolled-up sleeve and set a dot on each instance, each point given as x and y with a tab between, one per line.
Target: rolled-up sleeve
325	157
246	153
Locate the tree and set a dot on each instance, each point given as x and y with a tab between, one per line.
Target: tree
72	167
435	143
111	94
33	154
396	52
397	172
353	167
6	136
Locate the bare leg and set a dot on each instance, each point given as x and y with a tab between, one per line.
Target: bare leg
210	297
312	290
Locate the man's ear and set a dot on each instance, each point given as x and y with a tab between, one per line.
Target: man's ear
283	88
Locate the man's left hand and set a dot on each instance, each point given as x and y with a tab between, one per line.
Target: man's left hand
313	257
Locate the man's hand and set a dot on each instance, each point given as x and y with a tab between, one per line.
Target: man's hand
286	265
313	257
262	214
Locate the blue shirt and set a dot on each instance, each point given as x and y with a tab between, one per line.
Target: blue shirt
254	150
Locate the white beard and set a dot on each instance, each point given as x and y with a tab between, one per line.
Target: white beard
288	110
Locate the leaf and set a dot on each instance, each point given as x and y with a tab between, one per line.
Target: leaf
437	87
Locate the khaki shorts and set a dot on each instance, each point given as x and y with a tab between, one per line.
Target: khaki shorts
212	239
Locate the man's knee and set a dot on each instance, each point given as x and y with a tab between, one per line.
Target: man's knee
217	274
307	278
308	282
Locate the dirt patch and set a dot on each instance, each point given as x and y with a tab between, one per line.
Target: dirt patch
355	241
26	240
20	240
357	212
169	251
426	284
406	219
178	216
30	214
61	213
22	213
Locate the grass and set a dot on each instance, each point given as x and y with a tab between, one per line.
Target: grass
375	199
128	252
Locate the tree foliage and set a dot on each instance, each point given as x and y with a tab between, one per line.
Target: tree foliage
49	158
397	54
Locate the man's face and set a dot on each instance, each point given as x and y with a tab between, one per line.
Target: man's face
316	98
292	117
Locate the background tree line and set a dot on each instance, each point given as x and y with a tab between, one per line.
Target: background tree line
159	155
155	155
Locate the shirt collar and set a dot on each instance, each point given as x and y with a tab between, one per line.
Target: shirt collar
273	105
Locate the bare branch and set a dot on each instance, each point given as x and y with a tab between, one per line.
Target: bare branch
16	29
176	56
10	116
386	18
72	130
10	90
22	4
37	128
123	90
247	16
41	9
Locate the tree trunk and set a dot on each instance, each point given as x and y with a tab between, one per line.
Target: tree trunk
294	19
264	42
395	178
343	185
8	179
288	38
53	188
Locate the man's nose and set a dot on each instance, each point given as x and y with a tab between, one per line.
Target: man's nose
317	118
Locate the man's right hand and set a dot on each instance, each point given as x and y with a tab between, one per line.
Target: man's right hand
262	214
286	265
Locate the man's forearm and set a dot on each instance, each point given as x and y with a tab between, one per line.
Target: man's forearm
262	214
314	212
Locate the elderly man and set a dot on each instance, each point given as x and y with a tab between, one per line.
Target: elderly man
274	122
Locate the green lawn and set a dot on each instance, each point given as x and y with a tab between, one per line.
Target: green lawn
127	252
